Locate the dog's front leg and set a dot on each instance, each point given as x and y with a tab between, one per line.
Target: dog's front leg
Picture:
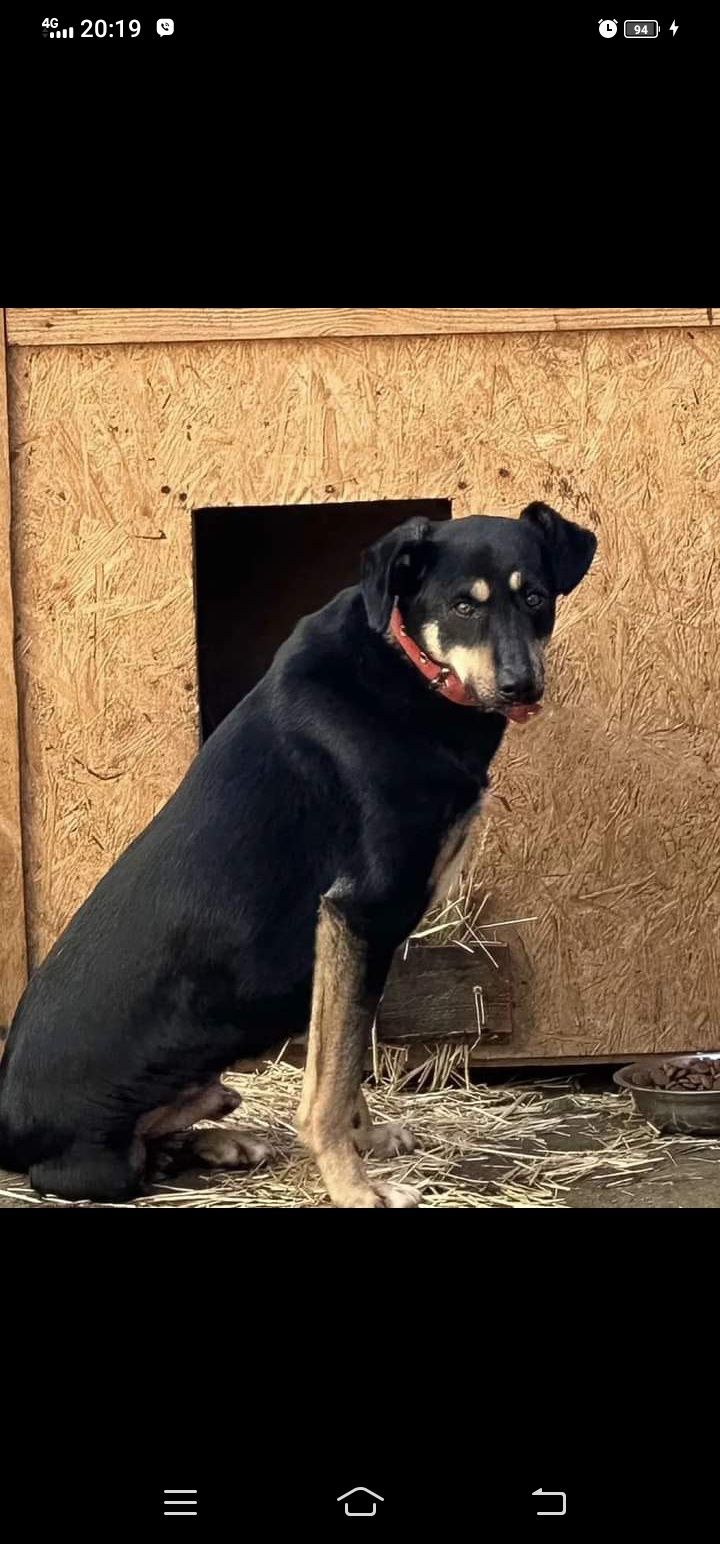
348	980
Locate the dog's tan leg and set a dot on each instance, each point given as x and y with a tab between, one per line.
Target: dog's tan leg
384	1138
340	1025
172	1147
194	1104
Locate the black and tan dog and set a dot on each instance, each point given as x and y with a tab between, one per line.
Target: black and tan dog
302	847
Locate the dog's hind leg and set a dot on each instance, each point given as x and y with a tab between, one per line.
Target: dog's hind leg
91	1172
349	976
172	1147
218	1147
194	1104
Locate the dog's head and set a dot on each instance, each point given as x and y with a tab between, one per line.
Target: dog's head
479	595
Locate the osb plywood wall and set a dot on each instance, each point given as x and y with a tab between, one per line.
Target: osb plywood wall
611	835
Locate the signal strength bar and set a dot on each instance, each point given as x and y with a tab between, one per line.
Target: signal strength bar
63	32
180	1503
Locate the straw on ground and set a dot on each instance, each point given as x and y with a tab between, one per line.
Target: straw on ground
506	1146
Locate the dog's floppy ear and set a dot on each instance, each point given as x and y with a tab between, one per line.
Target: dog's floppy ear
395	566
570	548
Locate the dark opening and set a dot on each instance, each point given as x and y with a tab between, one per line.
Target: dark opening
258	571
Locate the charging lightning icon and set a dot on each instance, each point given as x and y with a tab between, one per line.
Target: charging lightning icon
673	28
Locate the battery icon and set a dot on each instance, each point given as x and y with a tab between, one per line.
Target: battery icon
641	29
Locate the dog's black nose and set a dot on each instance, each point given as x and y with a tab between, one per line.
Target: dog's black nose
516	686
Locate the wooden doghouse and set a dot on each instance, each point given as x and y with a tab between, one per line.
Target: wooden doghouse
327	424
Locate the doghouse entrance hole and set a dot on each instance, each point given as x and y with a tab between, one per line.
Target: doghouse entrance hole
259	570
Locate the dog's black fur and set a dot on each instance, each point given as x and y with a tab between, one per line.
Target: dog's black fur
341	773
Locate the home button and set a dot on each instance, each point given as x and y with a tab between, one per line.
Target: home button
360	1502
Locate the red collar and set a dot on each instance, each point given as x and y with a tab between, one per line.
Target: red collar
441	678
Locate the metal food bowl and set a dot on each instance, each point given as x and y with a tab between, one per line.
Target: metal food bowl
686	1110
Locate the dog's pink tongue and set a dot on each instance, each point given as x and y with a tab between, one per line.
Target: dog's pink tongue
522	712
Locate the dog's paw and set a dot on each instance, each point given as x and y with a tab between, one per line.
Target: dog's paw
395	1196
386	1140
377	1195
226	1149
253	1150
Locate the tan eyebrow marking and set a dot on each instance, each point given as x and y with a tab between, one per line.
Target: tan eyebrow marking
480	589
516	580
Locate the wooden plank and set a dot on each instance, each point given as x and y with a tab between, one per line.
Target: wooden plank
446	993
165	325
13	956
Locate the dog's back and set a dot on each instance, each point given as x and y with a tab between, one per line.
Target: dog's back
194	950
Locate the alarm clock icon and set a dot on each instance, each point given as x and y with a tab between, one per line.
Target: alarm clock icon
607	29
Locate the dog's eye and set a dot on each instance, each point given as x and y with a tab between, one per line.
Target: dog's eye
533	599
464	608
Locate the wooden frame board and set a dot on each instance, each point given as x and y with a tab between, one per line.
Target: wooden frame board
31	327
12	900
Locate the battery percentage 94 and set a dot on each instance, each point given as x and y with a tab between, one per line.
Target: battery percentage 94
641	29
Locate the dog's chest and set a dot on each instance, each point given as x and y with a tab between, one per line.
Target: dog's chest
451	856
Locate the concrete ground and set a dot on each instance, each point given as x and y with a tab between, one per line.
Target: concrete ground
691	1184
679	1181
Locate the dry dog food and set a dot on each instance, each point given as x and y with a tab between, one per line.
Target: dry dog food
701	1075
